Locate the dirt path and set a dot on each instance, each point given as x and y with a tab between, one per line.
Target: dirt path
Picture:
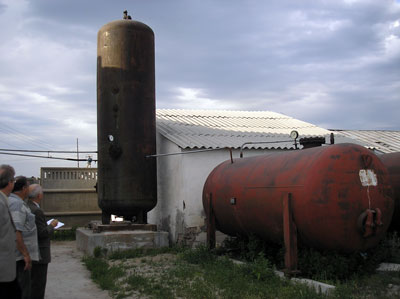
67	277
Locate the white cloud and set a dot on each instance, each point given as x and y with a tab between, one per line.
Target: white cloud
197	99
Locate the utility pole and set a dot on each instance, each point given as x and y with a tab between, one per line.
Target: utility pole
77	150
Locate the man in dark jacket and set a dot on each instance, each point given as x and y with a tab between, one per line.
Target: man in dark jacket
39	269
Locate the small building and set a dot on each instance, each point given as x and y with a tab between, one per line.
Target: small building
195	142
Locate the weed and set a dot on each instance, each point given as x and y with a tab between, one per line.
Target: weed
392	244
199	255
251	247
104	275
371	286
260	269
99	252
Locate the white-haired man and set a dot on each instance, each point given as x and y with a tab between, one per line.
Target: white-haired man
39	269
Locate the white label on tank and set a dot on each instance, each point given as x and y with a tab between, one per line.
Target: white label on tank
368	177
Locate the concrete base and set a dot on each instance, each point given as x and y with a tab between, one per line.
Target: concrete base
87	240
319	287
388	267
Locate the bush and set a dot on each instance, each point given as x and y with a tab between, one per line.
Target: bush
99	252
251	247
64	234
313	263
260	269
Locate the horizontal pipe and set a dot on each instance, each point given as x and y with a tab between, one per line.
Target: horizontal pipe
189	152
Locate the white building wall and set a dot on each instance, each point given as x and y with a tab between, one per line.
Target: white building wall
181	179
169	185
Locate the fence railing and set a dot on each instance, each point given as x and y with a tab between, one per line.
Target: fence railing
69	194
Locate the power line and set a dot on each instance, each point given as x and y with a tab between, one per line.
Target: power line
21	136
2	141
44	157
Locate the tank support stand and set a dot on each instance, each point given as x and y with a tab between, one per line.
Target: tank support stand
289	233
210	224
105	217
141	217
290	237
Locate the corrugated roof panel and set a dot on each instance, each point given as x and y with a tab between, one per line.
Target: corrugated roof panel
218	128
218	113
384	141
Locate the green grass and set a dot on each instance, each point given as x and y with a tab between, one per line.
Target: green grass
201	273
103	274
196	273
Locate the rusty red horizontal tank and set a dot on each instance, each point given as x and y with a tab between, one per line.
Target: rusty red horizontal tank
392	163
341	196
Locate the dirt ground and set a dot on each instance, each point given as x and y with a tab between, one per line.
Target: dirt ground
67	277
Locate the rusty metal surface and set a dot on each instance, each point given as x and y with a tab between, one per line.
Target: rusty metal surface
211	232
289	237
392	163
126	128
328	196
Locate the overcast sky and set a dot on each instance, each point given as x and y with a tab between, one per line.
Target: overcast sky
332	63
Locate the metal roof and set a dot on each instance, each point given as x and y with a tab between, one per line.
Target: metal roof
191	129
380	140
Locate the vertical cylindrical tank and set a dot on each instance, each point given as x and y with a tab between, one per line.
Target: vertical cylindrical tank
392	163
126	129
341	196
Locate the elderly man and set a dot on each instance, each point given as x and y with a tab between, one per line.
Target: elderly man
39	269
27	245
9	287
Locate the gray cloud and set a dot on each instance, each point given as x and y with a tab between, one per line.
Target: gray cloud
332	63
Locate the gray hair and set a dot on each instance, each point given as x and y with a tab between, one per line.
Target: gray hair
36	190
7	174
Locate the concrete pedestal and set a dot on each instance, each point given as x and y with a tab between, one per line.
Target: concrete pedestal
87	240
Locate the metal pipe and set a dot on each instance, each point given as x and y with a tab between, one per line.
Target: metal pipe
189	152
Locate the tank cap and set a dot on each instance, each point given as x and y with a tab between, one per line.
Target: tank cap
312	141
126	16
